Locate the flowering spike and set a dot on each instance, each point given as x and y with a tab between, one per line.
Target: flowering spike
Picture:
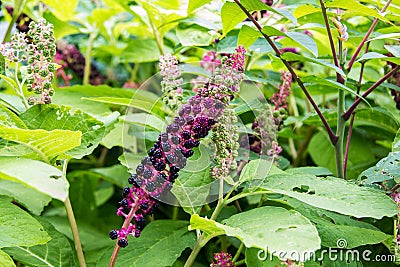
157	171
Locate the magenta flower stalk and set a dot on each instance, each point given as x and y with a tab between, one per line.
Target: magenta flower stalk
279	99
157	171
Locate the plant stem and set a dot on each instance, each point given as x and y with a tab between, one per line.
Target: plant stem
332	136
350	131
339	77
238	252
353	58
88	58
159	41
125	225
240	262
351	109
72	222
341	125
75	233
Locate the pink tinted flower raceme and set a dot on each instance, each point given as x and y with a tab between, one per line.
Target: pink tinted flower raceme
157	171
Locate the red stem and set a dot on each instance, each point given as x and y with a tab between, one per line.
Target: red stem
353	58
339	77
127	221
333	138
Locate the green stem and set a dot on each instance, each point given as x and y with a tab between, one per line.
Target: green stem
88	58
72	222
240	262
159	40
238	252
341	124
10	26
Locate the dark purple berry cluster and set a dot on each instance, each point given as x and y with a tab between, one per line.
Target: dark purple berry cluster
157	171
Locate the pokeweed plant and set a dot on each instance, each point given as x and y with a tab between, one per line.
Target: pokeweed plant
221	166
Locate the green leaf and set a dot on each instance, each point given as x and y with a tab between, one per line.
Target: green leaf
50	117
194	4
5	260
151	107
82	187
9	118
18	228
317	171
140	50
231	15
256	170
386	169
258	6
194	35
164	238
289	56
354	8
394	36
255	258
393	49
378	117
46	144
267	228
63	10
57	252
247	36
347	198
191	189
116	174
144	119
31	199
396	142
36	174
304	40
334	84
375	55
334	228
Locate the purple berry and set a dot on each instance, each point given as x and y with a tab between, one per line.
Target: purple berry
122	242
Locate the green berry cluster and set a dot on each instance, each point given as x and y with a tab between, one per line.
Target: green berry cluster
225	137
40	61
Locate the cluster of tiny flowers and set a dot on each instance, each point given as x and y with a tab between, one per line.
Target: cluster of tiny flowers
209	62
342	29
75	61
172	81
222	259
225	137
40	66
157	171
15	50
279	99
263	142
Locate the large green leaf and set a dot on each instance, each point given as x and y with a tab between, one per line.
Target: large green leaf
268	228
375	55
141	50
164	238
57	252
194	35
339	231
192	189
36	174
387	168
18	228
194	4
47	145
347	198
5	260
50	117
378	117
31	199
256	171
